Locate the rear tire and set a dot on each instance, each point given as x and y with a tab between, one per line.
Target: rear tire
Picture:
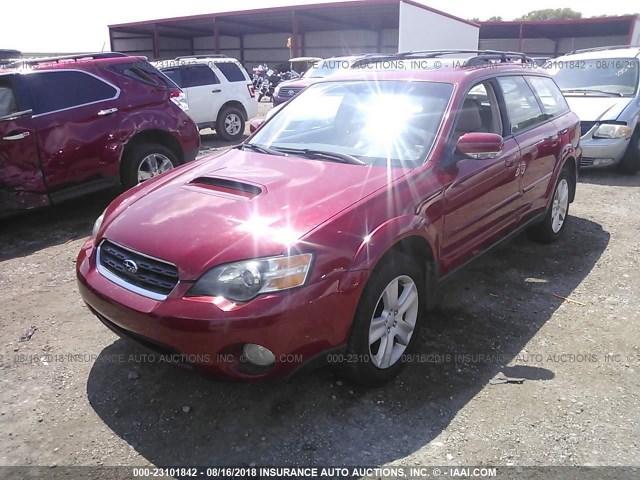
630	163
230	124
146	161
386	320
555	219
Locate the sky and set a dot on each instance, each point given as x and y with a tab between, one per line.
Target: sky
80	25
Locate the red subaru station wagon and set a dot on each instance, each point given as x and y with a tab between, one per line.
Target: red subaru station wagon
330	228
73	125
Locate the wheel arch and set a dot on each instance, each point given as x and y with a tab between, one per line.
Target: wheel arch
403	235
152	136
236	104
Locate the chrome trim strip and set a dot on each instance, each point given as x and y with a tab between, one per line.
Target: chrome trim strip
123	283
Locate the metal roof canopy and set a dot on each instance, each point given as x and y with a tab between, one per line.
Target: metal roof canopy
373	15
555	29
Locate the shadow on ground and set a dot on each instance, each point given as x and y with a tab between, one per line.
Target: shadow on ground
609	177
491	310
33	230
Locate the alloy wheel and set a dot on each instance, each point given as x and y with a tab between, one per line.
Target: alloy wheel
560	206
153	165
393	322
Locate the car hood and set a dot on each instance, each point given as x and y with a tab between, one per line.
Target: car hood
239	205
594	109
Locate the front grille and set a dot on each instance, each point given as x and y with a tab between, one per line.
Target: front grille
290	91
141	271
585	127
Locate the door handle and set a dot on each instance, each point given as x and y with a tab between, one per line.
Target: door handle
217	90
108	111
17	136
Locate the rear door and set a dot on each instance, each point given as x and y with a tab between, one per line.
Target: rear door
204	91
21	180
537	137
239	87
76	115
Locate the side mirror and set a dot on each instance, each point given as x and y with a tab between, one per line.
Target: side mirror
480	146
255	124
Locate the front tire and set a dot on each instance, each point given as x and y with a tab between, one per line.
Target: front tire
555	219
230	124
387	317
630	163
146	161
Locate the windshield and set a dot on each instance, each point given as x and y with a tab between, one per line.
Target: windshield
375	123
605	76
324	68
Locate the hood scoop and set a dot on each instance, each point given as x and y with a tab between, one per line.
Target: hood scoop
226	186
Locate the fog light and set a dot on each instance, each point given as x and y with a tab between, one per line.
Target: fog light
258	355
602	162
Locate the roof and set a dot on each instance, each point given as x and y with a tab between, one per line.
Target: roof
596	53
340	15
447	75
578	27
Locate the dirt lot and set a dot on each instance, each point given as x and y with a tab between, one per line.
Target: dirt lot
75	394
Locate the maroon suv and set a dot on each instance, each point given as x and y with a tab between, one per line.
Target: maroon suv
331	227
72	125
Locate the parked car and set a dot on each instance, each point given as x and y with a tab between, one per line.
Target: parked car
219	91
320	69
602	87
324	237
73	125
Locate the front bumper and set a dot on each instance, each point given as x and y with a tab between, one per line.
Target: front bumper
297	326
602	152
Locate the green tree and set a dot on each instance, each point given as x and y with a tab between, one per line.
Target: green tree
551	14
497	18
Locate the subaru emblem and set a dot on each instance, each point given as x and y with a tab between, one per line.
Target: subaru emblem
130	266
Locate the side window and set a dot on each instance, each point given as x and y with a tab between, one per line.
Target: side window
8	104
175	74
480	111
57	90
197	75
142	72
231	71
553	102
522	106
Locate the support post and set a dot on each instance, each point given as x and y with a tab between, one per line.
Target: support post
156	42
216	35
294	36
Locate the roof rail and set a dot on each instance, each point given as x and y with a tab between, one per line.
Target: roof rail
479	56
212	55
79	56
599	49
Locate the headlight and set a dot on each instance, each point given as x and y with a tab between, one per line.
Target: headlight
612	130
277	90
97	225
242	281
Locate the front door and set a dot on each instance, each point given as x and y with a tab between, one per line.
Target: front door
481	198
21	181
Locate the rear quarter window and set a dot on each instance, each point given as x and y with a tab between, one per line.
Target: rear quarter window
553	102
142	72
59	90
231	71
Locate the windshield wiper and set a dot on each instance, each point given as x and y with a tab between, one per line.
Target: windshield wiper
257	148
334	156
591	90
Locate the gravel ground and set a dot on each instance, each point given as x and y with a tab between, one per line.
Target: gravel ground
75	394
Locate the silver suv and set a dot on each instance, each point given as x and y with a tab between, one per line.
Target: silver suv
601	86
